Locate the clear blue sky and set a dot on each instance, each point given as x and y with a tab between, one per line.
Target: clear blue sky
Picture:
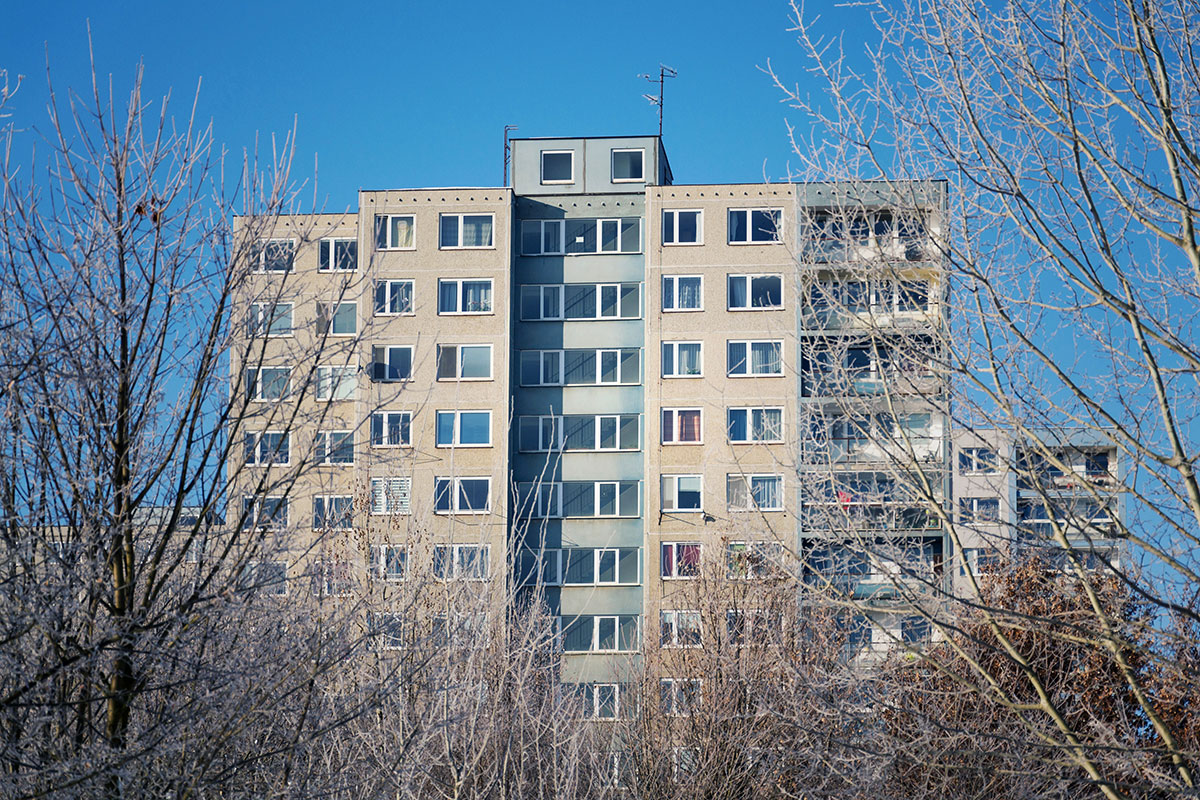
410	94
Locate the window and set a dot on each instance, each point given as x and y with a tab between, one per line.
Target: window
682	293
681	227
601	634
542	237
391	495
570	499
601	700
336	383
681	360
391	363
681	493
268	383
335	447
264	512
915	630
462	495
558	166
389	562
979	509
267	577
755	425
333	512
753	560
1096	465
605	566
465	296
680	560
753	626
337	254
274	255
627	166
331	578
680	696
269	319
977	460
980	560
754	225
754	492
681	426
581	301
394	231
680	628
755	292
464	428
765	358
460	562
579	432
912	296
589	236
464	362
393	297
340	319
387	629
580	367
267	448
465	230
391	429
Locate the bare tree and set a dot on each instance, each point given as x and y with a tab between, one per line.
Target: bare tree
1065	134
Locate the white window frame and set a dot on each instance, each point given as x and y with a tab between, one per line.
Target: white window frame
616	618
387	354
749	412
674	227
542	224
593	701
457	428
675	433
598	223
328	501
674	279
323	448
759	560
458	362
392	288
257	395
381	560
263	317
456	562
673	346
252	520
385	422
749	361
383	627
748	479
559	289
558	431
387	227
560	356
673	481
750	240
327	314
260	255
542	167
612	164
678	706
971	462
458	297
969	510
275	588
749	277
460	245
395	493
331	382
331	242
676	574
262	458
455	487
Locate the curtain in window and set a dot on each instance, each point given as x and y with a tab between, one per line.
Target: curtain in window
689	559
737	493
765	358
448	297
768	424
766	492
737	293
689	293
477	231
689	426
477	296
689	359
402	231
668	560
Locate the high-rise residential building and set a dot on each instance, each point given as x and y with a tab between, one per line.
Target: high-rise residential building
627	391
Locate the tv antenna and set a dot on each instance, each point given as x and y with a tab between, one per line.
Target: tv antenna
657	99
507	151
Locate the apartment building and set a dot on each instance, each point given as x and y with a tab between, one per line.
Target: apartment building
619	391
